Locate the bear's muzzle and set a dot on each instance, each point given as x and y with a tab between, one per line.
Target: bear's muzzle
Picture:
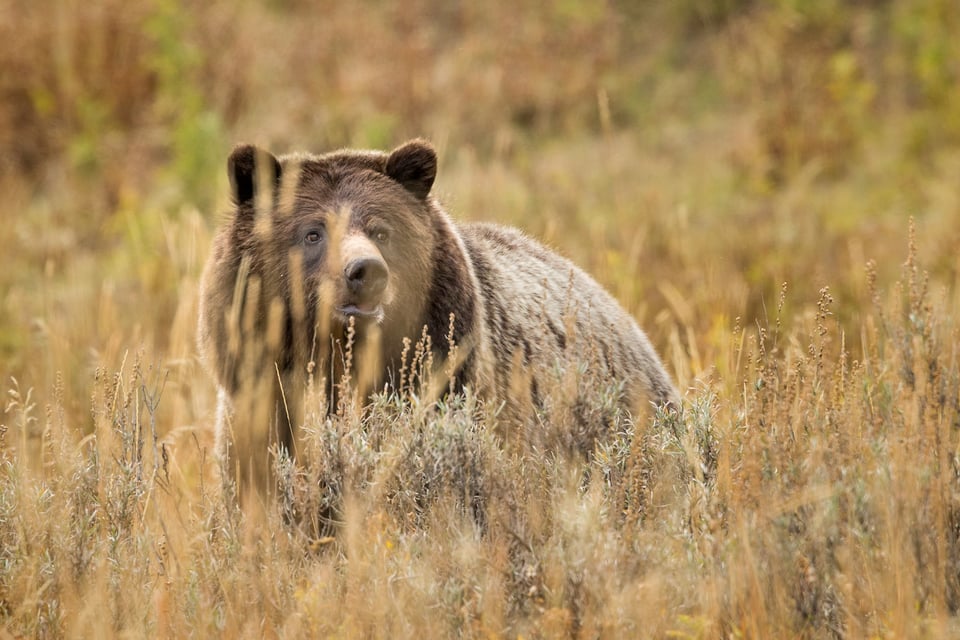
366	281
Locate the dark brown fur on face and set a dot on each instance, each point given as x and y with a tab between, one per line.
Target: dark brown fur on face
316	242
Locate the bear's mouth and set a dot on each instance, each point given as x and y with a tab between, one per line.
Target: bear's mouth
362	312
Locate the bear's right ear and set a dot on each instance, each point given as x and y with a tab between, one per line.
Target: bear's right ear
243	166
414	165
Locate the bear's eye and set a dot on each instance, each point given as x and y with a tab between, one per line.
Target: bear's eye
313	237
380	234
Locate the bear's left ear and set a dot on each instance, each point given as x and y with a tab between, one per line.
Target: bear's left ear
246	167
414	165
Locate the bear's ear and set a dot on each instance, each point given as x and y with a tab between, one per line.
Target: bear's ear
414	165
243	166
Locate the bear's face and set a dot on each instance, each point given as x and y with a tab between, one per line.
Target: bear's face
346	235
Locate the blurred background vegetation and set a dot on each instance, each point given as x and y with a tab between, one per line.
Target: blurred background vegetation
693	155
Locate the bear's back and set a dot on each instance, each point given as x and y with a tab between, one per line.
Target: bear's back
542	306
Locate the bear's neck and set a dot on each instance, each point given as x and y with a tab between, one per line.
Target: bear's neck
454	289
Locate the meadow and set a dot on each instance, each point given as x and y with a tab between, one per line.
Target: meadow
769	186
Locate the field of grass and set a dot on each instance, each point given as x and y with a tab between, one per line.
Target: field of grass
769	186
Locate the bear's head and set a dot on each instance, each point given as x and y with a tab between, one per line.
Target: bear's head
340	237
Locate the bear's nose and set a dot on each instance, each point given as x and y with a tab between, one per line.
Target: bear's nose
366	276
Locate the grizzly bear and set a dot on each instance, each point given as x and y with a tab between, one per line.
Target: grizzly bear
329	256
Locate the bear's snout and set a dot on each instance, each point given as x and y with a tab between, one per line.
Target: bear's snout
366	278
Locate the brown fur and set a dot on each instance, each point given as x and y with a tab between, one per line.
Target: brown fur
314	240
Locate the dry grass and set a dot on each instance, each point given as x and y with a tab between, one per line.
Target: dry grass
770	188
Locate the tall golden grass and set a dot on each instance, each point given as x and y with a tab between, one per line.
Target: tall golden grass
769	187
